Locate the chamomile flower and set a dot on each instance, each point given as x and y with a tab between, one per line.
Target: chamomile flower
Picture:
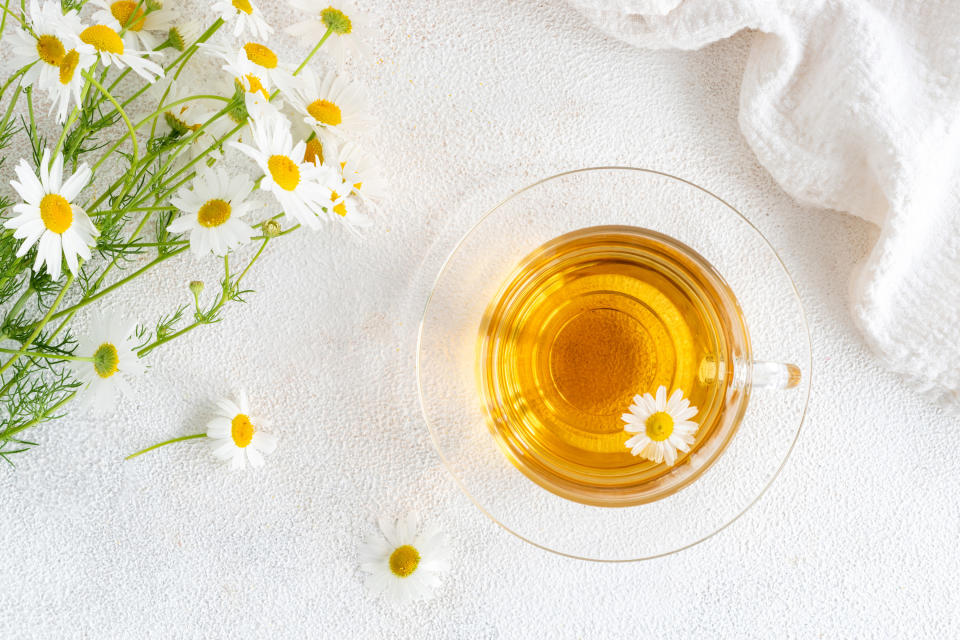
49	216
331	103
244	15
302	188
363	173
213	207
662	426
236	436
254	66
57	34
184	33
405	564
70	81
105	38
341	18
111	344
347	208
186	118
146	29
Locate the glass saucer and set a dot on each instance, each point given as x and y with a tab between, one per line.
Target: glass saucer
471	277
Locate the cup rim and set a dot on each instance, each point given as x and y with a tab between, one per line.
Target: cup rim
456	248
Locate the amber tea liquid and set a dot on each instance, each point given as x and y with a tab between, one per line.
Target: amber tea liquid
586	322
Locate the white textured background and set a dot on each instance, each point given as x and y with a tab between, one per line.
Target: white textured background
858	537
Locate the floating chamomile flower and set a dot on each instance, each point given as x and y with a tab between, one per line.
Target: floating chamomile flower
362	172
405	564
213	207
111	344
54	35
49	216
236	436
331	103
244	15
662	426
144	28
112	50
302	188
341	18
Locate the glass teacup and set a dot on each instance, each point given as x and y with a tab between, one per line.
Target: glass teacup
505	369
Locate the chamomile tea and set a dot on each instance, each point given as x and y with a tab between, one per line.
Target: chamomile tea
583	325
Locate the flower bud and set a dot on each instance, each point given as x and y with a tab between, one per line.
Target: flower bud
271	228
196	287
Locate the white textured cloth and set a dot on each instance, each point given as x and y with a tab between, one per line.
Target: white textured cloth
852	105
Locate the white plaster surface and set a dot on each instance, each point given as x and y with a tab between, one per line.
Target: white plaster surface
857	538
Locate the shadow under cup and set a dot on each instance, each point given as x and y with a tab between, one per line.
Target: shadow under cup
644	310
737	461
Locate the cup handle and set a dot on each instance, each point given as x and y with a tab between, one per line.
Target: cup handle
775	375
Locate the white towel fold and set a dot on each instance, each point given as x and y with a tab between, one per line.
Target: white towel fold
852	105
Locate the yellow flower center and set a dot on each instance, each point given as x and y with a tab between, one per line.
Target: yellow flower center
102	38
254	85
260	55
336	20
659	426
243	5
122	10
106	360
50	50
314	152
241	429
213	213
325	112
284	172
404	561
69	66
56	212
339	209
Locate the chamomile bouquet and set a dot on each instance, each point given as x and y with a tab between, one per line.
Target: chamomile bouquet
119	165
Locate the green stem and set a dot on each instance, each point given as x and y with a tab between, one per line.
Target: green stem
48	356
119	283
22	300
33	124
203	38
70	121
155	117
40	325
3	22
164	443
252	260
199	157
123	114
223	300
15	76
8	433
173	336
313	51
104	212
